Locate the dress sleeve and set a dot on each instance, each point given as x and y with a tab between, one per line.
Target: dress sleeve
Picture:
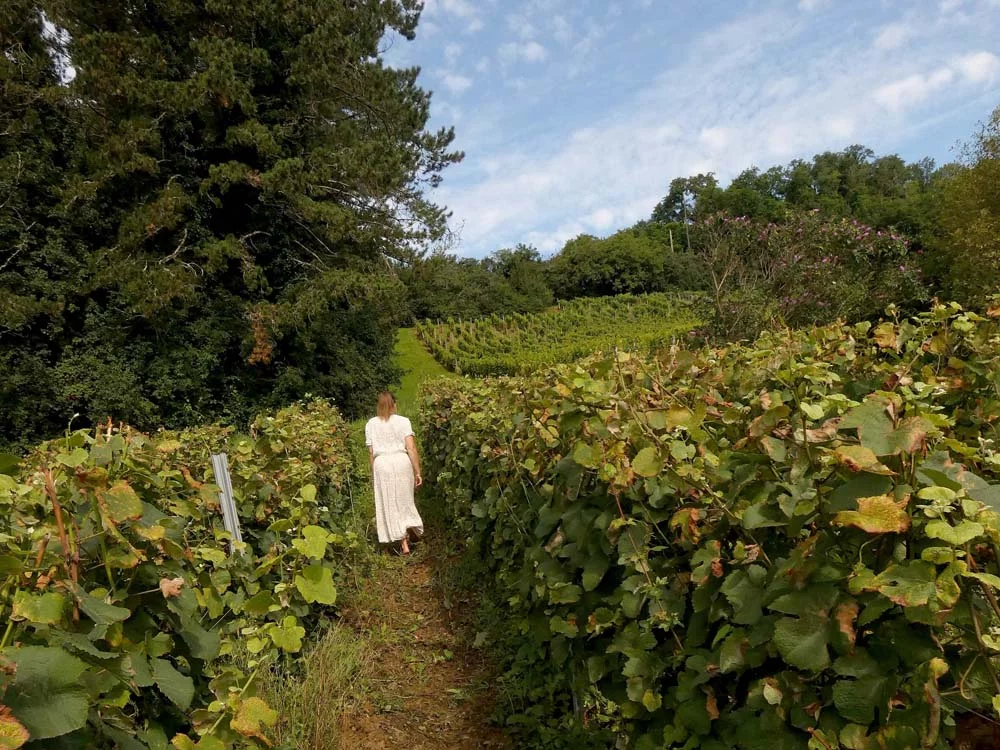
407	428
368	434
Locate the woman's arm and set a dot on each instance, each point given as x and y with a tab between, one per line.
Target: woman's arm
411	451
371	458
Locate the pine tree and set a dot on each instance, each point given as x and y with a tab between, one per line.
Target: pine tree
238	176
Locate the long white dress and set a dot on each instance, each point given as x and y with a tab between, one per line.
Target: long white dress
395	511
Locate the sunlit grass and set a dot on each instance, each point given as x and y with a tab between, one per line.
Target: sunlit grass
418	365
336	669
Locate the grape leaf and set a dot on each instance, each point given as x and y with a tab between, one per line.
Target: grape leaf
802	641
877	515
47	695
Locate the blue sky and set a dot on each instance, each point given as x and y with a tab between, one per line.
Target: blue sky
575	114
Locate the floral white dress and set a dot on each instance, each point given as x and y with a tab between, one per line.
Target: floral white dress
395	511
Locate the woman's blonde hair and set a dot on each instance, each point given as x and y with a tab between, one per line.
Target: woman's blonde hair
386	401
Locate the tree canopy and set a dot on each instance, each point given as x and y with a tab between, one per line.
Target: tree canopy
200	222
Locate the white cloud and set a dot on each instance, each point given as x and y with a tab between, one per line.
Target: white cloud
562	30
602	219
483	65
715	139
476	24
781	87
893	36
454	82
583	55
947	6
449	112
841	128
979	67
460	8
810	5
912	90
452	52
533	52
521	25
524	51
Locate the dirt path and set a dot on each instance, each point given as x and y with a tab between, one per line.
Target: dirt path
428	689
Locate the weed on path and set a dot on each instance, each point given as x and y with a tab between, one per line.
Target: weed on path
428	689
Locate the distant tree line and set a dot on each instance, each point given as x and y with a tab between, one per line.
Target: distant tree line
867	215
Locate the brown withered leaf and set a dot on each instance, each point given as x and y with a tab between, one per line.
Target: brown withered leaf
822	434
845	615
171	587
711	707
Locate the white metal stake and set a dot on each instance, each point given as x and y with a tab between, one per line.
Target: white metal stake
220	465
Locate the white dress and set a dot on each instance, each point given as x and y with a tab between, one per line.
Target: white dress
392	472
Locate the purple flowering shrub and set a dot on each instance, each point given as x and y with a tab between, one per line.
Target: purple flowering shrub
804	271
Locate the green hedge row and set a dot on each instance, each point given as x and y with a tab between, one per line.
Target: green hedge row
790	545
128	623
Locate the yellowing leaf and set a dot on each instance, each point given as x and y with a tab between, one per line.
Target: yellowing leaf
12	732
885	335
877	515
251	718
909	584
647	463
586	455
859	458
120	503
313	543
42	609
169	446
208	742
288	636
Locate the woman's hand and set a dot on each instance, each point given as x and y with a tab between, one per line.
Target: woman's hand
417	481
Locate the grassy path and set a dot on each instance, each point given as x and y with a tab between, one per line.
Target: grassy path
418	365
396	670
427	688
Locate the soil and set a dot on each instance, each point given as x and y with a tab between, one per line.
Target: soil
428	688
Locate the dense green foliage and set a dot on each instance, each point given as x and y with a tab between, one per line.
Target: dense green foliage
968	251
633	261
883	191
442	286
791	545
132	618
197	224
512	344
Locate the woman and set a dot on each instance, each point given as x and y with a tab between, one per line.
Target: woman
395	466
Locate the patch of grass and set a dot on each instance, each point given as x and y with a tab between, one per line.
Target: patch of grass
336	668
418	365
